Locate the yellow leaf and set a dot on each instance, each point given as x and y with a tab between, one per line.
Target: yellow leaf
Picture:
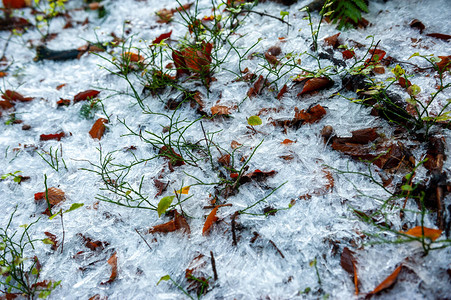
184	190
430	233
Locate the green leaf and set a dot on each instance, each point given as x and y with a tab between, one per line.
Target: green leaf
398	71
413	90
407	188
254	120
74	207
164	204
164	278
48	241
283	14
415	54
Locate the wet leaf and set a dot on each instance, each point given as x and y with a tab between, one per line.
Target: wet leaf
164	204
254	121
161	186
441	36
349	264
287	142
429	233
418	25
376	56
256	175
388	282
11	96
98	129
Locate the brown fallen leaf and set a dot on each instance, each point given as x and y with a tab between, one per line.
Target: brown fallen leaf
52	238
445	63
220	110
85	95
11	96
282	92
112	261
174	158
312	115
441	36
333	40
387	283
349	264
256	175
178	223
257	88
429	233
211	219
417	24
98	129
315	84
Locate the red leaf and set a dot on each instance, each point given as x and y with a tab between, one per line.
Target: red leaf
388	282
55	136
445	63
312	115
98	129
63	102
287	141
162	37
15	3
5	104
282	92
348	54
377	56
85	95
333	40
257	88
175	159
179	63
257	175
315	84
441	36
198	60
9	95
405	83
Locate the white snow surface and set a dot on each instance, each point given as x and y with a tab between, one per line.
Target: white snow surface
248	270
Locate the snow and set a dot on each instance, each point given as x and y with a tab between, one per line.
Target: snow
303	233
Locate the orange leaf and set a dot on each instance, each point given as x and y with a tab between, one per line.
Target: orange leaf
112	261
282	92
15	96
445	63
377	56
5	104
132	57
315	84
388	282
211	218
56	136
287	141
348	54
430	233
349	264
98	129
257	88
55	195
332	40
179	222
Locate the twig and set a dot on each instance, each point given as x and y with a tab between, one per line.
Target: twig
213	206
143	239
64	232
267	15
213	266
234	241
278	250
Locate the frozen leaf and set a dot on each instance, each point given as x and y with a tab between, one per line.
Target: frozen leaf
161	186
174	158
254	121
429	233
42	52
315	84
86	95
332	40
257	88
441	36
220	110
445	63
112	261
312	115
256	175
4	104
55	196
178	223
349	264
164	204
287	142
211	219
132	57
56	136
398	71
405	83
52	239
388	282
11	96
418	25
162	37
234	144
225	160
282	92
98	129
413	90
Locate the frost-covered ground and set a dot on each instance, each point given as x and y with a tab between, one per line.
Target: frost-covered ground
278	263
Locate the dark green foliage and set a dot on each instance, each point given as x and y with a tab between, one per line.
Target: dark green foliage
346	13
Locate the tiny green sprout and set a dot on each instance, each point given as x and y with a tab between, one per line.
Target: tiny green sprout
254	121
48	241
413	90
164	278
164	204
415	54
283	14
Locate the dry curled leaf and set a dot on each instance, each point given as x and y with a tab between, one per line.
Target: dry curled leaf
220	110
333	40
85	95
315	84
98	129
312	115
178	223
11	96
257	88
349	264
112	261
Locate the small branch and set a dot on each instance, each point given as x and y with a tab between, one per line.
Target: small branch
143	239
213	206
234	241
64	232
278	250
266	15
213	266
